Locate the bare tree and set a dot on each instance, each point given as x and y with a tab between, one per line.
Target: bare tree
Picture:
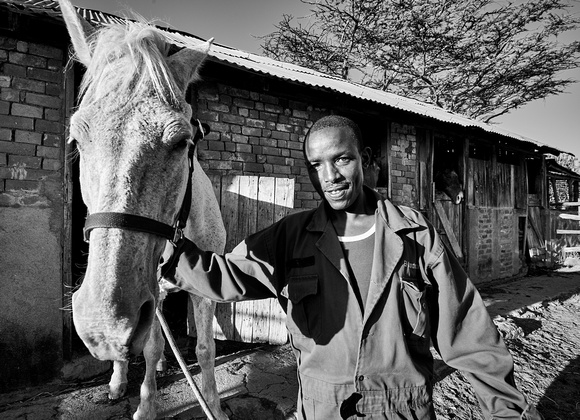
480	58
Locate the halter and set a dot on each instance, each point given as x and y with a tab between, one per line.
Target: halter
144	224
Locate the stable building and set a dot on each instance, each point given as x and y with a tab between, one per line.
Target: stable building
259	110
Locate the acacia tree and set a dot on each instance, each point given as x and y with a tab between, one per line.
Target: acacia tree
480	58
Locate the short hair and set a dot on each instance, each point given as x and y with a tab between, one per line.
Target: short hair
334	121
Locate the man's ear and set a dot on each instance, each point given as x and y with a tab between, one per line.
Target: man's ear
366	156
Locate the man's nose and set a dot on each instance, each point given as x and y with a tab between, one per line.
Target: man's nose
329	173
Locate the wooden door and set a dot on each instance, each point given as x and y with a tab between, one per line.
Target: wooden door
249	204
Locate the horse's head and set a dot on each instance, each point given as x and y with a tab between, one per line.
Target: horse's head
448	182
132	130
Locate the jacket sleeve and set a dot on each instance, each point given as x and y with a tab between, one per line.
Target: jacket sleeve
467	340
242	274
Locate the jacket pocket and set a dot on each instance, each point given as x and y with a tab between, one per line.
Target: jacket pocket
301	292
414	299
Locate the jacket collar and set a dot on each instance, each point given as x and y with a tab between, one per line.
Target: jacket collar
393	217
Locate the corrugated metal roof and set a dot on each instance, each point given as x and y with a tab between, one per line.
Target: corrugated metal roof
291	72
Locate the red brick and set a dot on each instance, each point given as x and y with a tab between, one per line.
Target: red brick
11	95
210	94
27	161
5	134
269	99
233	119
51	140
220	165
280	135
54	65
216	106
10	121
17	148
52	114
43	100
255	123
253	167
244	103
268	116
237	138
5	81
246	157
243	148
49	126
45	51
276	160
48	152
4	107
276	109
45	75
7	43
22	46
21	110
251	131
3	159
54	89
27	84
26	60
216	145
52	164
14	70
27	137
15	184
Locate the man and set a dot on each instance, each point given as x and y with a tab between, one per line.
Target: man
366	286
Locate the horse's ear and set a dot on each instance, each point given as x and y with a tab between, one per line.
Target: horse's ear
78	29
185	63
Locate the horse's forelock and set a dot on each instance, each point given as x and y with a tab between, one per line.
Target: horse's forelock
147	48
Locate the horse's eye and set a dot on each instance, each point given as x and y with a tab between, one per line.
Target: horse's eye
182	143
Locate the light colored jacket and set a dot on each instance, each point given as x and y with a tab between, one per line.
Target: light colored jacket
418	294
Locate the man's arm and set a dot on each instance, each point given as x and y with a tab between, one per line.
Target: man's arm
243	274
467	339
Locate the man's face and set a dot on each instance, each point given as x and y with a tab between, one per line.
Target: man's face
334	166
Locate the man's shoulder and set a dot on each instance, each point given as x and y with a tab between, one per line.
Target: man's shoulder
298	217
405	212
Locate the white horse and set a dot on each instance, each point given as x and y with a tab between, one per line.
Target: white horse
133	132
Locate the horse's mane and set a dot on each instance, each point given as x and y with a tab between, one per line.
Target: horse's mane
125	59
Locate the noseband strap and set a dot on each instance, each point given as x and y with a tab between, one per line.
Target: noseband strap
145	224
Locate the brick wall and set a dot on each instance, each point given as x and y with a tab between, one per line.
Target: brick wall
256	134
484	243
403	165
31	212
495	250
506	226
31	128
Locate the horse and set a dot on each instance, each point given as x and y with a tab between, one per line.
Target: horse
133	133
447	181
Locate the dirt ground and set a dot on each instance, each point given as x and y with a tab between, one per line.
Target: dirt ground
545	345
259	381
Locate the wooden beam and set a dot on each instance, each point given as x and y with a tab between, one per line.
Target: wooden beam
571	203
567	232
448	229
569	216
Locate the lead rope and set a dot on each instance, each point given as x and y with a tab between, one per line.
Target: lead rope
183	365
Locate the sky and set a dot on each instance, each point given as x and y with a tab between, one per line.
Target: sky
554	121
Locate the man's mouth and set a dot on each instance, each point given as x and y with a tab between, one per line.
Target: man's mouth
335	190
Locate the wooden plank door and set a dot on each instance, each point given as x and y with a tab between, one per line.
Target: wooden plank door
249	204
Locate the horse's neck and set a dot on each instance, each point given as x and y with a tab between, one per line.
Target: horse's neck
204	225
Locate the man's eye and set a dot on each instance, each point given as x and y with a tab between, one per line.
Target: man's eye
343	160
